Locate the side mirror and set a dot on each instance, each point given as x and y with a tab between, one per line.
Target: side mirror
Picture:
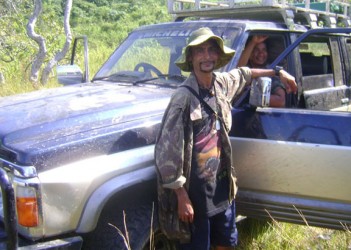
69	74
72	74
260	92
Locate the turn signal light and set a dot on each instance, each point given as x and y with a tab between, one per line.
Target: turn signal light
27	207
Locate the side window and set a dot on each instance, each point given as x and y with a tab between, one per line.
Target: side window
348	47
261	49
323	83
316	64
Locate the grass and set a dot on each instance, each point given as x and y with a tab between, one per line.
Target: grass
18	87
273	235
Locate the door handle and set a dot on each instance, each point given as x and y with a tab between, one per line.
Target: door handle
345	101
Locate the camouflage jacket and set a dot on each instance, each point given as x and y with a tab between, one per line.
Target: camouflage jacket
173	149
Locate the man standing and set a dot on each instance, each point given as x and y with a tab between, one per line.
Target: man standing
196	178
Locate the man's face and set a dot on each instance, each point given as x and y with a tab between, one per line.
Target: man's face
259	56
204	56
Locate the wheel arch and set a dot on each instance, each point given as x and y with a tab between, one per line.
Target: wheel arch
113	191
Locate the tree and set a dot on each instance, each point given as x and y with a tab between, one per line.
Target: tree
40	40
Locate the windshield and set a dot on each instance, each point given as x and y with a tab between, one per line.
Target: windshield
148	56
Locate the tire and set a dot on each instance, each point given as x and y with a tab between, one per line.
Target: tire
138	222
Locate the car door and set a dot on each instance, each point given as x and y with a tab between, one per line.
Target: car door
293	164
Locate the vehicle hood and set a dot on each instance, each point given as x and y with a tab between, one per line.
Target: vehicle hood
38	119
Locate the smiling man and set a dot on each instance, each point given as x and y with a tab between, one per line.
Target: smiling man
255	55
196	177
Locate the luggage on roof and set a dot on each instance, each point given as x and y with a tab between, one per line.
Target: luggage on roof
310	13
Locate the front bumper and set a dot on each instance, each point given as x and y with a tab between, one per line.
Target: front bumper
71	243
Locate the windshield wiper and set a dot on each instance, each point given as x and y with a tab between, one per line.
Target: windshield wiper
168	80
117	75
145	80
167	77
178	78
130	77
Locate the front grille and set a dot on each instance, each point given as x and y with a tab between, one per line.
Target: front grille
7	155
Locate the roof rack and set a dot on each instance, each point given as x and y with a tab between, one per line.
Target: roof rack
306	12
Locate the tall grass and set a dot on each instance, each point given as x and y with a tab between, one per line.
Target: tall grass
98	54
17	75
17	86
274	235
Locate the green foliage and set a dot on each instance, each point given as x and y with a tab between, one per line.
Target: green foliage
110	24
17	51
12	34
336	8
106	23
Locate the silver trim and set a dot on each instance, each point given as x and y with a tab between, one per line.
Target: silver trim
18	170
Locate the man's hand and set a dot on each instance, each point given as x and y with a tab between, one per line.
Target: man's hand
289	81
256	39
185	208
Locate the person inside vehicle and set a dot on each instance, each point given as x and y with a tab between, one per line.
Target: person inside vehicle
255	55
195	175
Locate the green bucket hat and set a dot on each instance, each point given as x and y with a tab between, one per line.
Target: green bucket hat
198	37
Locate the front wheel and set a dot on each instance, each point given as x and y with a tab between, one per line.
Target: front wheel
133	229
160	242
